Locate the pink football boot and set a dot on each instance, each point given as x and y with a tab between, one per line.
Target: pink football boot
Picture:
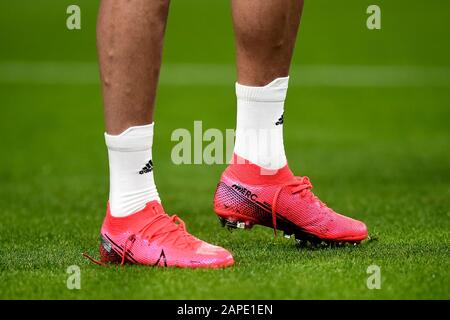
151	237
247	195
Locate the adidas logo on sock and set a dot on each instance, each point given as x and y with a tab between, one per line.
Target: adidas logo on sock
148	167
280	121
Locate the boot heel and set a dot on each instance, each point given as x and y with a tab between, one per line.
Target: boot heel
235	224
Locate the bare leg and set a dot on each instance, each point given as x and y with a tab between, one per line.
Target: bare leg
129	40
265	37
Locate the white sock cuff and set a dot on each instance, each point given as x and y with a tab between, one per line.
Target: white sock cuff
273	92
138	138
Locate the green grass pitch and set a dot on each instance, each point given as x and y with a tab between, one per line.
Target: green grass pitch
377	150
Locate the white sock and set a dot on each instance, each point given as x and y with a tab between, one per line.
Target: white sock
131	170
259	128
